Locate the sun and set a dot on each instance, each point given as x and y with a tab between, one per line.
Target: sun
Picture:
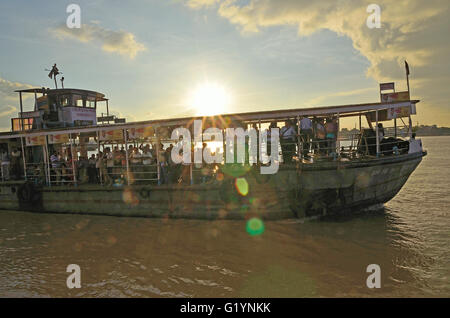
210	99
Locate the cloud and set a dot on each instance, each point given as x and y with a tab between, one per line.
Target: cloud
8	110
121	42
318	101
8	98
201	3
7	89
412	30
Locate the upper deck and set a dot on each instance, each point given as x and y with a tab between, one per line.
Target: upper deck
385	110
58	108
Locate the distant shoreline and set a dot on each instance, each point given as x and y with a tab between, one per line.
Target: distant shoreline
442	135
420	131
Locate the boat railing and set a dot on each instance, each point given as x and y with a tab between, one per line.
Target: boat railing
139	173
35	172
130	169
61	176
136	174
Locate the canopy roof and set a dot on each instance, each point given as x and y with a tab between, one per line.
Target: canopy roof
48	91
263	116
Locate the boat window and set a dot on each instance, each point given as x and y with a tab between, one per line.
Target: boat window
42	103
78	101
65	100
90	102
27	124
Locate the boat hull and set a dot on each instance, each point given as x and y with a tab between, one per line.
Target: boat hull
301	190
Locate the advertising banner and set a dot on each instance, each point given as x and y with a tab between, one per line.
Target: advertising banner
35	141
58	139
106	135
395	97
140	133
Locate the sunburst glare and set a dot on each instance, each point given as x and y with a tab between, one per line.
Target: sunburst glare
210	99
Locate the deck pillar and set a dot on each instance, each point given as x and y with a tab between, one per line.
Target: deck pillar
158	164
73	162
125	137
24	160
338	142
21	111
299	142
100	165
395	127
46	163
377	134
410	127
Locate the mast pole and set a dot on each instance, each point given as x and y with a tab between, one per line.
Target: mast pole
407	78
407	83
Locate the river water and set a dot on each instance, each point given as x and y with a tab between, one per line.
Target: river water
409	239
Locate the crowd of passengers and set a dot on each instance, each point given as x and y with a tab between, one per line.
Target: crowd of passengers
317	135
109	166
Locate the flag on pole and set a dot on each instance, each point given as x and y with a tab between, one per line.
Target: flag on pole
407	68
53	72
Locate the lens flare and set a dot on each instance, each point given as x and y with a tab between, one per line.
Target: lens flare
241	185
210	99
255	227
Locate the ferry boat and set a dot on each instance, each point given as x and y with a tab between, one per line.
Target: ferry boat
46	169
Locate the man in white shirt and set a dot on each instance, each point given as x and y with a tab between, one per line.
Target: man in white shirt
147	157
306	134
109	162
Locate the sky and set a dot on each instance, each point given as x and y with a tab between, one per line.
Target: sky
162	58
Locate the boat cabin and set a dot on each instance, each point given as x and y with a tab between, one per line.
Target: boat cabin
58	108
